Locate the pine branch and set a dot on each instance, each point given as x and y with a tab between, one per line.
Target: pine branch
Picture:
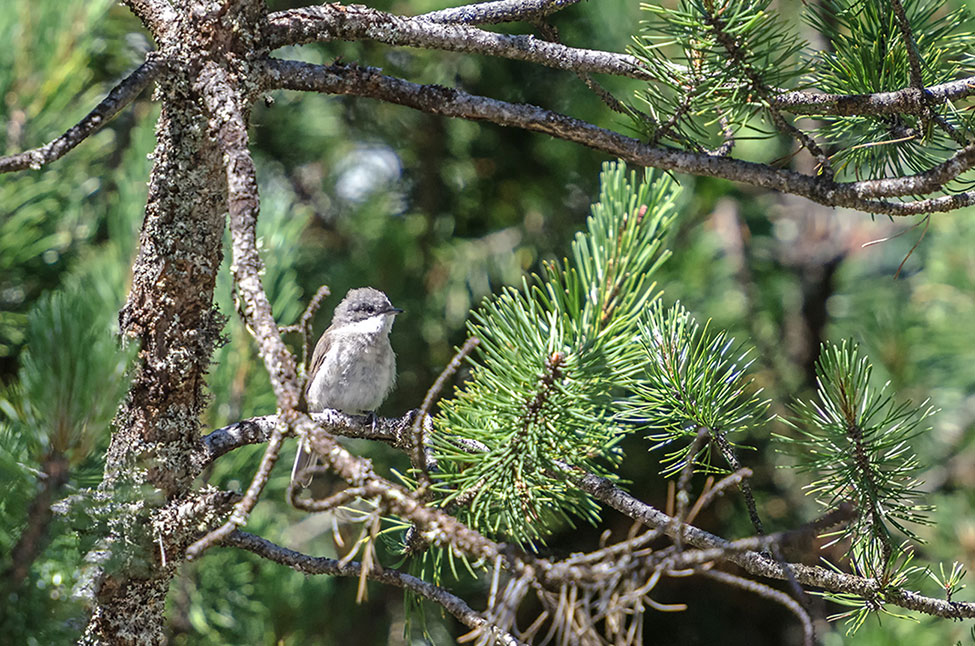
359	81
743	552
739	55
854	442
760	565
894	60
906	100
552	357
226	120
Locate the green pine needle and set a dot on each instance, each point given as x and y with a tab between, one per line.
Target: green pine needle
856	441
555	357
867	55
691	381
715	65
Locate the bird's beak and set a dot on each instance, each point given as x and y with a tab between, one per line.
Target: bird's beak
393	310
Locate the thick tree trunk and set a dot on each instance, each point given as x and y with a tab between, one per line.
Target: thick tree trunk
150	467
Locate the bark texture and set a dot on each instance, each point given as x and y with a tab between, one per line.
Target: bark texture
170	314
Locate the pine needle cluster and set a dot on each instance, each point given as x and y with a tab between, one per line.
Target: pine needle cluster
692	381
856	441
557	361
720	66
867	55
715	66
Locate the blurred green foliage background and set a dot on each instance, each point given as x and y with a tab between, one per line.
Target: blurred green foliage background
439	214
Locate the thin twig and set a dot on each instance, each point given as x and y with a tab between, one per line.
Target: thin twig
730	480
121	95
924	231
550	33
388	576
303	326
728	451
418	454
703	499
343	497
766	592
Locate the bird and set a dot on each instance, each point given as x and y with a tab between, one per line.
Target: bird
353	367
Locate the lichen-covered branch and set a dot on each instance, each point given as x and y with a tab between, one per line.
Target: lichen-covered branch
355	22
498	11
394	431
227	108
906	100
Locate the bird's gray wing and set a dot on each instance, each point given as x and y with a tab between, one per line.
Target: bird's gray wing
318	357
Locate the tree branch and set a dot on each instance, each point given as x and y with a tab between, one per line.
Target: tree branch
760	565
332	567
499	11
395	431
906	100
435	99
322	23
355	22
121	95
440	528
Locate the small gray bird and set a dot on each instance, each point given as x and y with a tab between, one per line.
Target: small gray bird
353	367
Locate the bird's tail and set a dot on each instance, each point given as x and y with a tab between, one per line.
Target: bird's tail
303	459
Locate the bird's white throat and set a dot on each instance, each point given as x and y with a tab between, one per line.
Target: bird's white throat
380	323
